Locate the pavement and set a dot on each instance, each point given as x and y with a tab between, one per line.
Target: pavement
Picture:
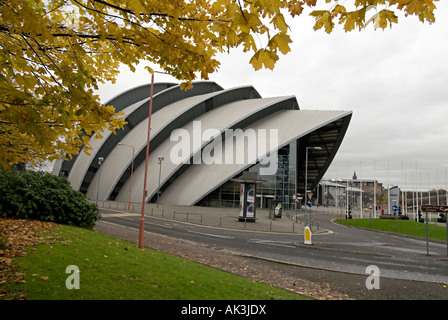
291	221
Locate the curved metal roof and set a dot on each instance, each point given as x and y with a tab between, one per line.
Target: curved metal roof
210	107
84	169
221	118
291	125
163	122
121	101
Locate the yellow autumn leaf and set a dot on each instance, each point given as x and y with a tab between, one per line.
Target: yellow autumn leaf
279	23
385	18
323	20
280	41
264	58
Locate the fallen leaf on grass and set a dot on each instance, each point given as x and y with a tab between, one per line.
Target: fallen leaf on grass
16	234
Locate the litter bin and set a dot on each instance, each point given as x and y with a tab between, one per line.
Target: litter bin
278	211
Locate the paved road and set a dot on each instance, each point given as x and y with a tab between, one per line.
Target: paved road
396	256
335	247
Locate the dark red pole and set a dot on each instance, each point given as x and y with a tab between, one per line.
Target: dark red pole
142	219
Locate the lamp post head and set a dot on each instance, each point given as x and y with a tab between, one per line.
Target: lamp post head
314	148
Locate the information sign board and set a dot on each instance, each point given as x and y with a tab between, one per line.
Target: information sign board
439	209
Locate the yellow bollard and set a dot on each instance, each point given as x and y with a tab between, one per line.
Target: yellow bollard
307	235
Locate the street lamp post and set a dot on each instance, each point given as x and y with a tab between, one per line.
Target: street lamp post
159	159
142	219
374	191
360	187
306	174
132	171
100	160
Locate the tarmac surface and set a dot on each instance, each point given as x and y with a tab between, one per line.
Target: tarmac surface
226	217
328	236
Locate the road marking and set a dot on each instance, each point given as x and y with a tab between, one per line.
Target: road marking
211	235
123	214
272	243
125	218
159	225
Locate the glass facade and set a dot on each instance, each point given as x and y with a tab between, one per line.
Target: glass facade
275	189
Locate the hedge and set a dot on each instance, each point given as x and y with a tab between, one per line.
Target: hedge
42	196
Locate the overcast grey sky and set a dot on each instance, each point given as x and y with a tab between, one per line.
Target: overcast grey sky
395	81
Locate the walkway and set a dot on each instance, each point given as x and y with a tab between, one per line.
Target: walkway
290	222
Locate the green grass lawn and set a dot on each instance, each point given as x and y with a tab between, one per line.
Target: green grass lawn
408	227
113	269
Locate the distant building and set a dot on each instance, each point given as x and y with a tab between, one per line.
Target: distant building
337	193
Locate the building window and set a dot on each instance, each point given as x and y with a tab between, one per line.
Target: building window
278	188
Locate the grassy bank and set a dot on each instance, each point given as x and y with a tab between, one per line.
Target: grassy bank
408	227
112	269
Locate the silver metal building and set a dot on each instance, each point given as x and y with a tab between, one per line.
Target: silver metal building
205	138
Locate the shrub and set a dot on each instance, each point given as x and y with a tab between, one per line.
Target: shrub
42	196
393	217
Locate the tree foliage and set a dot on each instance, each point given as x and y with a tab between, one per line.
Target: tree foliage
55	53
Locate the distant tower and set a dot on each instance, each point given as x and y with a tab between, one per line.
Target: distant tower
354	176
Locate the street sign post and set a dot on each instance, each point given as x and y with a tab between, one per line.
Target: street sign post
438	209
395	209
